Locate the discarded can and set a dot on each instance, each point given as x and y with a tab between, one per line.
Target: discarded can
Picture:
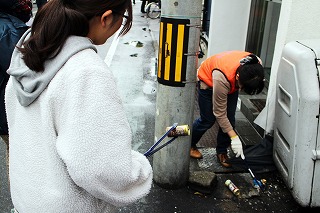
259	183
182	130
233	188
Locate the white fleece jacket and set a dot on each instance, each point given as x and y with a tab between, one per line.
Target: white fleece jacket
70	148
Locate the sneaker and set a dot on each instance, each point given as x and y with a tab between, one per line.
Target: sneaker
223	160
194	153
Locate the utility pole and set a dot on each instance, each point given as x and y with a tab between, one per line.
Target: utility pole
177	63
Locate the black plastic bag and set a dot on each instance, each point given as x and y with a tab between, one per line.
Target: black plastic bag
259	157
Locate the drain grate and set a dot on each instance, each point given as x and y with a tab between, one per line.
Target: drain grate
258	103
208	156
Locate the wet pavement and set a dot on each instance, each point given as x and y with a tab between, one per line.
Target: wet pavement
5	200
134	65
275	198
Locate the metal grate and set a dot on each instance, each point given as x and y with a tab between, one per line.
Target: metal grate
258	103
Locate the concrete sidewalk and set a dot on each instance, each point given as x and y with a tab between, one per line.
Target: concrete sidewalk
276	197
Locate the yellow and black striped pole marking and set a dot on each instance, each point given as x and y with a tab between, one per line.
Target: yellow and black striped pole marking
173	47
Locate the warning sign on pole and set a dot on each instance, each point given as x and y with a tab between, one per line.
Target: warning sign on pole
173	48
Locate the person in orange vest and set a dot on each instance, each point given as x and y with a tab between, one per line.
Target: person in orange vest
221	76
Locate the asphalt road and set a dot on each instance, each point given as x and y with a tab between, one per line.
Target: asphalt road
133	65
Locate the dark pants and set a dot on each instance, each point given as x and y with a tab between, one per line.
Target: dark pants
3	116
207	119
143	5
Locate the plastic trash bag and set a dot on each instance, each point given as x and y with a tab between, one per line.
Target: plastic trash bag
259	157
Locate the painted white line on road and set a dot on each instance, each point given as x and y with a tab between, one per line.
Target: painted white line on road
112	48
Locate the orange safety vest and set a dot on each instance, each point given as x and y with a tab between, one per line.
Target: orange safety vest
226	62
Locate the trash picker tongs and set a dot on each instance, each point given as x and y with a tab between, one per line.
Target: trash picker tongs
255	180
152	149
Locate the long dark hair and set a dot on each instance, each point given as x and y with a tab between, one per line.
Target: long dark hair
251	75
59	19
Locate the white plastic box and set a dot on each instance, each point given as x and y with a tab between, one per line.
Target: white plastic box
296	149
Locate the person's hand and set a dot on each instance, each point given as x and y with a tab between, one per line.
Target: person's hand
236	146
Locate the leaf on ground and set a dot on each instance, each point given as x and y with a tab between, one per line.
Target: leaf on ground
134	55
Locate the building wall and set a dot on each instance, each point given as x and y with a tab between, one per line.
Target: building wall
299	19
228	25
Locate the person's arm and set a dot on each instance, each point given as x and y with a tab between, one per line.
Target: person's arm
232	133
221	88
94	138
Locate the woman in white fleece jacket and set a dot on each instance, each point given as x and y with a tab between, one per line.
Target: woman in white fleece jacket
70	142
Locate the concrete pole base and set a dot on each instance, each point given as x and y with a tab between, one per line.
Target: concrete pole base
202	181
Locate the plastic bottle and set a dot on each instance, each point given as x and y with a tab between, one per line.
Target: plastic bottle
233	188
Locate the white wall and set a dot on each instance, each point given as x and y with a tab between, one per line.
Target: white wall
228	25
299	19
